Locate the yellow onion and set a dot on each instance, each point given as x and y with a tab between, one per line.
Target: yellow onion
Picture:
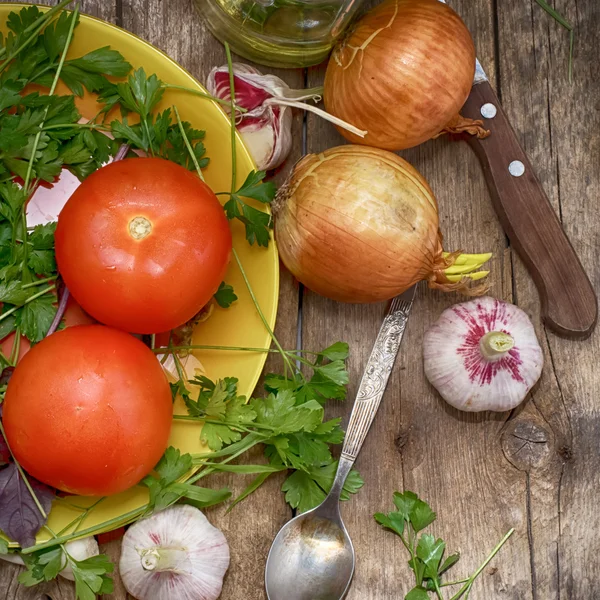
358	224
403	73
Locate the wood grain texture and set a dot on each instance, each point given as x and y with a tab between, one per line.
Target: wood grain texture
536	469
559	124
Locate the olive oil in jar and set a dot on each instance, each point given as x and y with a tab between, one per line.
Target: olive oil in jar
278	33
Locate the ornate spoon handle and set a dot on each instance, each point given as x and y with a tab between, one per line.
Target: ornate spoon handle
377	373
373	383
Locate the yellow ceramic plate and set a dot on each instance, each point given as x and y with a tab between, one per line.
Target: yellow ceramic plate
239	325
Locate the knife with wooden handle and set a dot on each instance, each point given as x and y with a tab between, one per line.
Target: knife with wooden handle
569	303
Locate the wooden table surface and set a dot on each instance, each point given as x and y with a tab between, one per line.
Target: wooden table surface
537	468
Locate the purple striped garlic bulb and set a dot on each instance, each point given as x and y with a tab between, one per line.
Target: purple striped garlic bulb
175	554
482	355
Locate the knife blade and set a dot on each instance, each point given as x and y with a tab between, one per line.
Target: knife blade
568	302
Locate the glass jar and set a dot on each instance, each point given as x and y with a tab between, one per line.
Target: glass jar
279	33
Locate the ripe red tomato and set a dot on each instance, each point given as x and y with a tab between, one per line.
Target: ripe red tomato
88	410
143	244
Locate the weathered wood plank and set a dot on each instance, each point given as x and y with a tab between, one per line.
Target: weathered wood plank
453	460
558	123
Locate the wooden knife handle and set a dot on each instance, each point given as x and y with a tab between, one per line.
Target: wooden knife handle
569	304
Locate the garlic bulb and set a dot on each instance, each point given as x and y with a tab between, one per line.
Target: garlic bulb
175	554
483	355
266	126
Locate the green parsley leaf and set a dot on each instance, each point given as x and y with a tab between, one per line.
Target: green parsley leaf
91	576
35	318
449	562
53	562
217	436
335	352
393	521
42	236
421	515
176	150
173	465
405	502
254	187
225	296
256	222
430	551
417	593
307	489
281	413
198	496
3	546
42	262
103	61
11	292
140	94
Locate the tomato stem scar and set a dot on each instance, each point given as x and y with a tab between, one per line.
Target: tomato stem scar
139	228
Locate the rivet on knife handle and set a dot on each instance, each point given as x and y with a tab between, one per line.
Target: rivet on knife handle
569	304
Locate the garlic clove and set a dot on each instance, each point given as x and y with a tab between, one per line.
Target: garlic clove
266	124
79	550
175	554
482	355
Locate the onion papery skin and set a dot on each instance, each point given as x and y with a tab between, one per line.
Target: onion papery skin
358	224
402	73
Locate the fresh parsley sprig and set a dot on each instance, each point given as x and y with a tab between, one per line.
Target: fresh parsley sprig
289	422
427	562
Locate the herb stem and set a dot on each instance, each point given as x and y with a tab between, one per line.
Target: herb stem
438	592
30	299
6	362
467	587
14	354
223	422
38	282
76	126
261	314
233	128
228	103
36	27
459	582
172	349
125	519
567	25
187	144
76	523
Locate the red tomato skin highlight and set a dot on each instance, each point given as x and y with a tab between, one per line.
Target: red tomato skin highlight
151	284
88	411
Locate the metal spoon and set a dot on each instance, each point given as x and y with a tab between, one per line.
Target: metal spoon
312	557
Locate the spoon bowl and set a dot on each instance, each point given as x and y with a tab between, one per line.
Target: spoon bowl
312	557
